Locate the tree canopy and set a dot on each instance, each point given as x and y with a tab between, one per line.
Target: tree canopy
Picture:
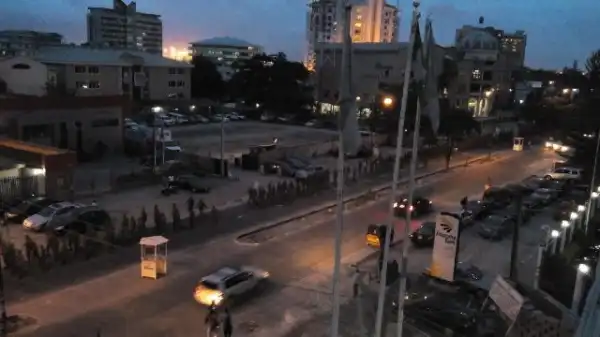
207	82
274	83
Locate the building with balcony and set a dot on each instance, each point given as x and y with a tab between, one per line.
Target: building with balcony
23	42
374	22
224	52
490	62
123	27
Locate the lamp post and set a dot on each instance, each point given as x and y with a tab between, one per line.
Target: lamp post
538	263
554	234
563	234
574	221
592	207
580	215
582	271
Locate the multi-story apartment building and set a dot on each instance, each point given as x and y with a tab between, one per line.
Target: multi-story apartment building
489	62
373	22
224	52
123	27
22	42
79	71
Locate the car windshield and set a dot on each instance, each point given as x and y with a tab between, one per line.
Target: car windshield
494	220
48	211
209	285
427	228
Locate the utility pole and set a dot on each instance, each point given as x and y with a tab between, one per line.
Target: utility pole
514	253
396	174
591	202
162	143
223	146
3	316
154	142
346	108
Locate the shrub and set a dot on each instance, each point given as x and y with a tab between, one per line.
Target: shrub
157	221
125	230
32	251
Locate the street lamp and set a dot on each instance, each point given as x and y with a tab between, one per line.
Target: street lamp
563	234
358	98
593	205
554	238
388	101
582	271
580	208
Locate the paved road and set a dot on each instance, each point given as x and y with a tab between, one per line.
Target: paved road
122	304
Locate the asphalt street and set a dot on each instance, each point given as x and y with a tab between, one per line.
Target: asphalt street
298	263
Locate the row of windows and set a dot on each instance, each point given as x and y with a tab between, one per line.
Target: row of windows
88	70
176	71
87	85
176	84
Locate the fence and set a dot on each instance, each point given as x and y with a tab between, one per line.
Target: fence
12	188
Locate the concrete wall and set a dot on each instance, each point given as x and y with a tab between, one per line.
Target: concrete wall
160	78
31	81
108	78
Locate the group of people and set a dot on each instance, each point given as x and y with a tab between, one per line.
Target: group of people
214	319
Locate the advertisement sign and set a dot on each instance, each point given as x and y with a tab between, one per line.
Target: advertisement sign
507	298
445	247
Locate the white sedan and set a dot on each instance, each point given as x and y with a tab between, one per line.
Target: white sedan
228	282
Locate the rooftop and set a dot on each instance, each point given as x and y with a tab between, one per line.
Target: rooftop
100	56
368	46
224	41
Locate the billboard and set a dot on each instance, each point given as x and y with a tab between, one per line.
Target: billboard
445	246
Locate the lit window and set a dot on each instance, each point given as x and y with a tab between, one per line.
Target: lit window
358	25
476	74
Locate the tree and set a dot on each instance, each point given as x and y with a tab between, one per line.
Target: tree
592	65
454	125
273	82
207	82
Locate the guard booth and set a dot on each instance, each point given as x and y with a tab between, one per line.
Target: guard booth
518	144
153	256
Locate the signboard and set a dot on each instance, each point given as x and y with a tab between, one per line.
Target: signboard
163	135
445	247
508	300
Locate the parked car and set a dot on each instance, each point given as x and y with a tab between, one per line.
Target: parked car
496	227
546	194
227	283
445	312
219	118
234	116
497	197
424	235
191	183
420	205
38	221
166	120
27	208
179	118
565	173
80	220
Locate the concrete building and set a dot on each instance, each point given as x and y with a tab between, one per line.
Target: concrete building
224	52
23	76
373	64
123	27
79	71
22	42
76	123
373	22
489	62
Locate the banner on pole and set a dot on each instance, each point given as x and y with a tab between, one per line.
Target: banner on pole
445	247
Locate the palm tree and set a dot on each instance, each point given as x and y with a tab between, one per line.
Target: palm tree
592	65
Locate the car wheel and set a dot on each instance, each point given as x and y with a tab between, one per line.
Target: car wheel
548	177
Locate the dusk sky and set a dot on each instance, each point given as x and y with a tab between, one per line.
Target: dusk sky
558	31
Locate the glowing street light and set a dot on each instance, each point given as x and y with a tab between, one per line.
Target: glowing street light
358	98
573	215
580	208
582	271
595	195
563	234
554	234
388	101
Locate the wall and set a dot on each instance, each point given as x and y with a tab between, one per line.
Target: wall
109	78
31	81
372	64
158	83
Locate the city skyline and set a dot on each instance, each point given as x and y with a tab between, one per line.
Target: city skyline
556	35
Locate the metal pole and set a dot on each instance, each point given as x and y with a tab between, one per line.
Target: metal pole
162	141
538	266
563	239
577	293
398	156
554	244
514	253
3	316
592	182
222	141
154	142
346	101
405	244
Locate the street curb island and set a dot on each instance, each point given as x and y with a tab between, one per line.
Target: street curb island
360	198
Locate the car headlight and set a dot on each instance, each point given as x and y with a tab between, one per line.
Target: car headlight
564	149
548	144
395	205
216	298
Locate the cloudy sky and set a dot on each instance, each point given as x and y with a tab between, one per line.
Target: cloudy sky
558	31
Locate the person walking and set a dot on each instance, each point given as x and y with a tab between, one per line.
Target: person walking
227	324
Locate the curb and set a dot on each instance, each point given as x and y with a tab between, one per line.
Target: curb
352	198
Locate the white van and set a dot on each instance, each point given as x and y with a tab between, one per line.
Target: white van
564	172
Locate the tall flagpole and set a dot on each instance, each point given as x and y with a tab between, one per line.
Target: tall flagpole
346	104
411	192
398	156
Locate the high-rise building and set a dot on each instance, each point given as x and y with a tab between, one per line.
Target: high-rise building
124	27
22	42
373	22
224	52
490	62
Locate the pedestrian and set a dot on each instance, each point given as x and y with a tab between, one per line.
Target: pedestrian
227	325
